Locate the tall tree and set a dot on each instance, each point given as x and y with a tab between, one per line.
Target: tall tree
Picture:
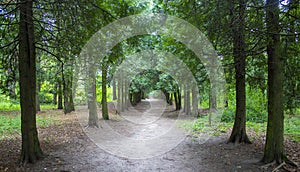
274	148
104	95
93	116
31	150
238	133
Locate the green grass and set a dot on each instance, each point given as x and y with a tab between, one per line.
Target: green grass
8	106
291	127
11	124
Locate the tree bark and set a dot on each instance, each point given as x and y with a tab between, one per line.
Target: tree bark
114	87
92	105
119	95
194	100
67	90
274	148
38	88
104	95
188	102
54	100
31	151
238	134
60	96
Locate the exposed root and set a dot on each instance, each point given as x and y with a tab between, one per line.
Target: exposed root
290	162
268	165
279	166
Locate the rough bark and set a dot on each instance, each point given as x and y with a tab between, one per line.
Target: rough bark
238	134
31	151
68	95
274	148
104	95
60	96
38	106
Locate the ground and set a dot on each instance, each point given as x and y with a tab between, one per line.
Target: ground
69	148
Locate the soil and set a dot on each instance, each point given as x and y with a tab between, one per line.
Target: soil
69	148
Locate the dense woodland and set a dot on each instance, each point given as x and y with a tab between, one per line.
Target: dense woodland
257	43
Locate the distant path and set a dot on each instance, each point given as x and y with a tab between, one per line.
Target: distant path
149	129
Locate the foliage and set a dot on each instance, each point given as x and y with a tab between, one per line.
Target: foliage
13	105
256	106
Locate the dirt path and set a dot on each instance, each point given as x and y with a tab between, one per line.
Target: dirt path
71	147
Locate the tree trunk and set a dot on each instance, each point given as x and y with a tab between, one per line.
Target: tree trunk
104	95
184	98
212	100
238	134
194	100
92	105
126	96
38	88
68	95
274	148
188	102
114	87
31	151
60	96
54	100
119	95
122	94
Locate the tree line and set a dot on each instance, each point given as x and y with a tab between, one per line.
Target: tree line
258	42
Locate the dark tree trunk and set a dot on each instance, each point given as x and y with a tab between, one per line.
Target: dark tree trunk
92	105
184	99
176	100
68	95
38	88
177	97
60	96
104	95
238	133
274	148
31	151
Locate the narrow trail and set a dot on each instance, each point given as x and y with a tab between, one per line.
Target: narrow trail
149	129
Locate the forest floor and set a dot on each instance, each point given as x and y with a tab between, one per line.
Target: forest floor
70	146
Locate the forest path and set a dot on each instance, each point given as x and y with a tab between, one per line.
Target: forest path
70	147
148	129
117	152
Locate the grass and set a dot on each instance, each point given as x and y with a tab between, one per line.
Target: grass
11	124
8	106
291	127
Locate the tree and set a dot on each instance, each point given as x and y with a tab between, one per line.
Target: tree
274	148
92	106
238	133
31	150
104	95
